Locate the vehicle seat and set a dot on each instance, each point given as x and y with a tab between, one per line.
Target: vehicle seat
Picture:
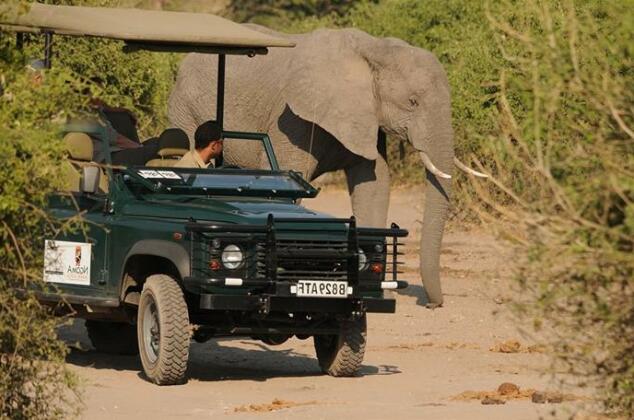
80	153
173	144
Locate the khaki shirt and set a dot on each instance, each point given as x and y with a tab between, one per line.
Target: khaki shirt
191	159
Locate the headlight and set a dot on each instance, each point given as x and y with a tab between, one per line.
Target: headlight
232	257
363	260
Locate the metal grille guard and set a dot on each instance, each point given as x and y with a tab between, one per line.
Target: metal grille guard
268	233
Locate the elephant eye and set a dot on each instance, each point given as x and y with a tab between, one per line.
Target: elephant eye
413	101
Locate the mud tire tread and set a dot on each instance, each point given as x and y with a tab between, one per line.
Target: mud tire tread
171	365
342	355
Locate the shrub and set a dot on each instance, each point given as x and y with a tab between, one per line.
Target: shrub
562	155
140	81
34	381
284	12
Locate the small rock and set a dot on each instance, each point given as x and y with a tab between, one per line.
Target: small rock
508	388
492	400
538	397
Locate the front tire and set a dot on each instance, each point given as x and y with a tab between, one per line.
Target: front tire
163	331
342	354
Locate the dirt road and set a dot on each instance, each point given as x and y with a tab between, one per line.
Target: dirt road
418	361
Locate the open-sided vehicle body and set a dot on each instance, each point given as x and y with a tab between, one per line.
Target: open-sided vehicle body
169	253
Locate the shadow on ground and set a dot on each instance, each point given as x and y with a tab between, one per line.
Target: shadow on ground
417	291
215	360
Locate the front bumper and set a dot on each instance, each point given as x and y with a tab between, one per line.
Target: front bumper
265	304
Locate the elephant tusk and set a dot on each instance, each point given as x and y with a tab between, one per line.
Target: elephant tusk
432	168
469	170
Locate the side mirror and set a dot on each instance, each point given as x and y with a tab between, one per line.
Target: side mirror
90	179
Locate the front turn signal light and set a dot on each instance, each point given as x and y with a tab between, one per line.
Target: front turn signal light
214	265
376	268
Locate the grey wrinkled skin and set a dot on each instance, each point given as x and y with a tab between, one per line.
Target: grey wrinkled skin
323	103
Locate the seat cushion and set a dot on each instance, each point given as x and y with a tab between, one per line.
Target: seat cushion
172	152
162	163
79	146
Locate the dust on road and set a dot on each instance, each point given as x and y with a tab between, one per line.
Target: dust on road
417	360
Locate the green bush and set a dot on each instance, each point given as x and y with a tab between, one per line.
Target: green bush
280	13
562	156
34	381
140	81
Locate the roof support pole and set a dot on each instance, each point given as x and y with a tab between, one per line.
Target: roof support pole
48	49
220	95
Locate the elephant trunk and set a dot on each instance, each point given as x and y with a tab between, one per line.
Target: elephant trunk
436	210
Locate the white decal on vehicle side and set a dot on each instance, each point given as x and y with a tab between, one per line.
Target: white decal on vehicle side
67	262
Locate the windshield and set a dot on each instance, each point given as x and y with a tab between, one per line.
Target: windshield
223	182
243	181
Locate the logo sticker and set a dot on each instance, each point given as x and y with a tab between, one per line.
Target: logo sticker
77	255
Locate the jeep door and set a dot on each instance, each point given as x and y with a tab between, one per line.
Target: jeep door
77	261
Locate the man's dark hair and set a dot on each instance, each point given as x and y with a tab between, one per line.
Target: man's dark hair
206	133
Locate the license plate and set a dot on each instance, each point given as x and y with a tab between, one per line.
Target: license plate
326	289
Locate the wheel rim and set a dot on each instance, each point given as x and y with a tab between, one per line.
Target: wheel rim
151	331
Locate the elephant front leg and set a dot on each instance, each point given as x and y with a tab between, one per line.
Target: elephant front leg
369	188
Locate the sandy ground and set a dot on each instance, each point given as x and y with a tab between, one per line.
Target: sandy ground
417	360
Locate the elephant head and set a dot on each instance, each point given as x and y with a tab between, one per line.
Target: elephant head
364	84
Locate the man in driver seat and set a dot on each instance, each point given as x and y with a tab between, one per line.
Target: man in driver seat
207	146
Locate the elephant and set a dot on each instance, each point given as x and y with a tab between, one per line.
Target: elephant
328	104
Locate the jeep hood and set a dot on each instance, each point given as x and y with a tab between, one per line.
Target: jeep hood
227	210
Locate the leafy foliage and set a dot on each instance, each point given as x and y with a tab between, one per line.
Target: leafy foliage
34	382
284	12
562	155
139	81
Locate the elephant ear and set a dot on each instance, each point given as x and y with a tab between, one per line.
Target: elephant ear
334	89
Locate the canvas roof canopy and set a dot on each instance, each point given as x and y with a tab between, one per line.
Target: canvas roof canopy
145	29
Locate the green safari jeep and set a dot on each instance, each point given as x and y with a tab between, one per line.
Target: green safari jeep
169	254
200	253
